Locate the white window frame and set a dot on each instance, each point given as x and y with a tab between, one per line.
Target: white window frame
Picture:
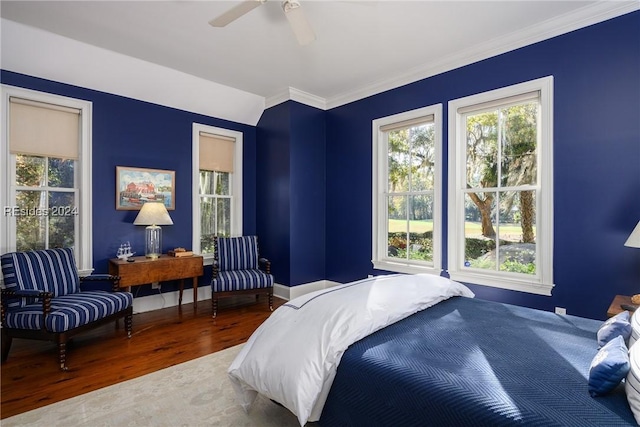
83	249
380	178
542	282
236	183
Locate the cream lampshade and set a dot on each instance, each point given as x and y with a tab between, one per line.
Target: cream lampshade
634	239
153	214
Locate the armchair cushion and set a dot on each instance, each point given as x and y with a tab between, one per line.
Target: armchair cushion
69	311
50	270
237	253
241	280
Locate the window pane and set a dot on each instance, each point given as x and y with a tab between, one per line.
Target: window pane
30	171
397	226
207	224
206	182
399	160
421	228
223	180
482	150
61	173
519	144
62	215
31	220
422	157
212	182
223	216
479	230
517	247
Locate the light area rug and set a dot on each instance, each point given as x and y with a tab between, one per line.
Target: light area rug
194	393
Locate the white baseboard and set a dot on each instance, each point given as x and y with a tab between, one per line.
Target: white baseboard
291	292
170	299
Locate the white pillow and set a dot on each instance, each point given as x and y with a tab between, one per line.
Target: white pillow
635	328
632	385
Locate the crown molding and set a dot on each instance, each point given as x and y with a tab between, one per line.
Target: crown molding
293	94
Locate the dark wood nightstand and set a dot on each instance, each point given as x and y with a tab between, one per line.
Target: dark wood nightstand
615	308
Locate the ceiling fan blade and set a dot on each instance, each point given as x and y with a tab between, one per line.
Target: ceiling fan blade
298	21
235	12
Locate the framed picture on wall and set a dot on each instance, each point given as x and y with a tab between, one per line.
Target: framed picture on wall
136	186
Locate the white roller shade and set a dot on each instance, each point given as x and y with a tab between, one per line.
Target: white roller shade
216	152
407	123
40	129
500	103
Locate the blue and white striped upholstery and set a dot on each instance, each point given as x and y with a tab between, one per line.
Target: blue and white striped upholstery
49	270
237	259
54	271
70	311
241	280
237	253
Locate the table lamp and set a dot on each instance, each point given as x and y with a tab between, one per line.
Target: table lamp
634	239
153	214
634	242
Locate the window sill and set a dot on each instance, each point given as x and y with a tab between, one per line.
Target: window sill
510	283
403	267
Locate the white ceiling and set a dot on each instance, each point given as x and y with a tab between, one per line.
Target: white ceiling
362	47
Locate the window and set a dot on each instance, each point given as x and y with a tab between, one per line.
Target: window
217	186
407	191
46	153
501	190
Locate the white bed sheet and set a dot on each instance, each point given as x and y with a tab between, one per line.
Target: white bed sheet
293	356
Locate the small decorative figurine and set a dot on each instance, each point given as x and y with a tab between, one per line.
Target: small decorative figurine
124	251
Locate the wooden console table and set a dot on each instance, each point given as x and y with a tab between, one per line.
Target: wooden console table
146	270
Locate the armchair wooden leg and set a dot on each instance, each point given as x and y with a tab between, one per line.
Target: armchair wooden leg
128	324
62	354
214	305
271	301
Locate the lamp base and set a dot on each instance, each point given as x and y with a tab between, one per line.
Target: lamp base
153	242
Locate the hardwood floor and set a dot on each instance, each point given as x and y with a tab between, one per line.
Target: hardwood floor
31	377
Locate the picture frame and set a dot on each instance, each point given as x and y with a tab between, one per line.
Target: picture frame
136	186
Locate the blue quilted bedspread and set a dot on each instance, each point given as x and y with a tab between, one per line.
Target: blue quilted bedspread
468	362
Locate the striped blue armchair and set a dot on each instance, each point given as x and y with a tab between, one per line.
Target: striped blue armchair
42	299
238	270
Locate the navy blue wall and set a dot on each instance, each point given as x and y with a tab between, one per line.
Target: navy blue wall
273	189
291	191
128	132
596	74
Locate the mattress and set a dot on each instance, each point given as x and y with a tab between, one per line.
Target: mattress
469	362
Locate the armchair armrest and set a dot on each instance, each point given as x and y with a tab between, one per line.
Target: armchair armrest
264	265
17	293
8	294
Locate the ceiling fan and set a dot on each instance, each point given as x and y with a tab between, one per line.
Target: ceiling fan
292	10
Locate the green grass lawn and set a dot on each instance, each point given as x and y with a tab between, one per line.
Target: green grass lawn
472	229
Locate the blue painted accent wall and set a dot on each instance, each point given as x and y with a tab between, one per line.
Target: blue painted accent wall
596	74
129	132
291	191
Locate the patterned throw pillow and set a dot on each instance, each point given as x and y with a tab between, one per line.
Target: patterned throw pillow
609	367
617	325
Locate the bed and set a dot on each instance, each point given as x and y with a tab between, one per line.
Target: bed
419	350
